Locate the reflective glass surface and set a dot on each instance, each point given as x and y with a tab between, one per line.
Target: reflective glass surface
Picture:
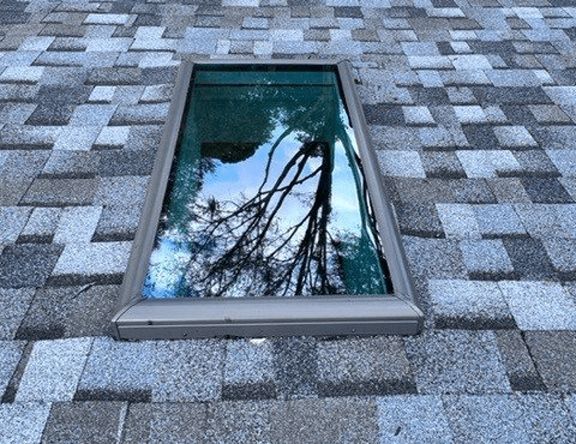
267	195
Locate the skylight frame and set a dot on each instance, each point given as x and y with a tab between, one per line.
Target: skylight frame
141	318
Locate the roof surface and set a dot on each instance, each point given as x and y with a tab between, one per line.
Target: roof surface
471	105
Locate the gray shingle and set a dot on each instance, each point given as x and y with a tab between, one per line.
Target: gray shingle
363	367
12	222
400	163
498	220
77	225
61	192
27	265
517	418
14	303
188	371
443	362
458	220
540	305
41	225
117	371
486	259
86	422
23	422
71	164
520	368
104	262
439	258
468	304
412	419
296	366
249	370
53	370
562	254
349	419
10	353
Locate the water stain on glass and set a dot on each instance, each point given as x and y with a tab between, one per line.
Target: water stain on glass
267	195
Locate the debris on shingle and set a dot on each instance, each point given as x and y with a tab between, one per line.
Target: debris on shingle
411	418
468	305
53	370
444	360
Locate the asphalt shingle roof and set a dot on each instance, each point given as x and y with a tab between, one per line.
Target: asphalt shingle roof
472	108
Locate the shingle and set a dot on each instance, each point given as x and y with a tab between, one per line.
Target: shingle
188	371
14	303
349	419
112	137
520	368
12	222
92	115
508	190
442	164
471	114
498	220
564	160
484	163
114	76
546	190
136	427
61	192
540	305
381	114
53	370
443	362
121	191
458	221
27	265
77	224
177	422
515	418
117	224
400	163
529	259
554	354
23	422
296	366
412	419
76	138
363	367
71	164
468	304
434	257
56	312
104	262
419	219
418	116
10	353
562	254
86	422
249	370
486	259
126	163
21	74
41	225
117	371
143	114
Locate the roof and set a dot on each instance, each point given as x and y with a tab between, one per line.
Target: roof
471	107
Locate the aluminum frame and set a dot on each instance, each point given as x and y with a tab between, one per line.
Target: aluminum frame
140	318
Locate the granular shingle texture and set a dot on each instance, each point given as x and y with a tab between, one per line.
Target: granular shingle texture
471	106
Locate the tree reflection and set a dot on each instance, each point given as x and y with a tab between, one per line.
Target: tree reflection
254	243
